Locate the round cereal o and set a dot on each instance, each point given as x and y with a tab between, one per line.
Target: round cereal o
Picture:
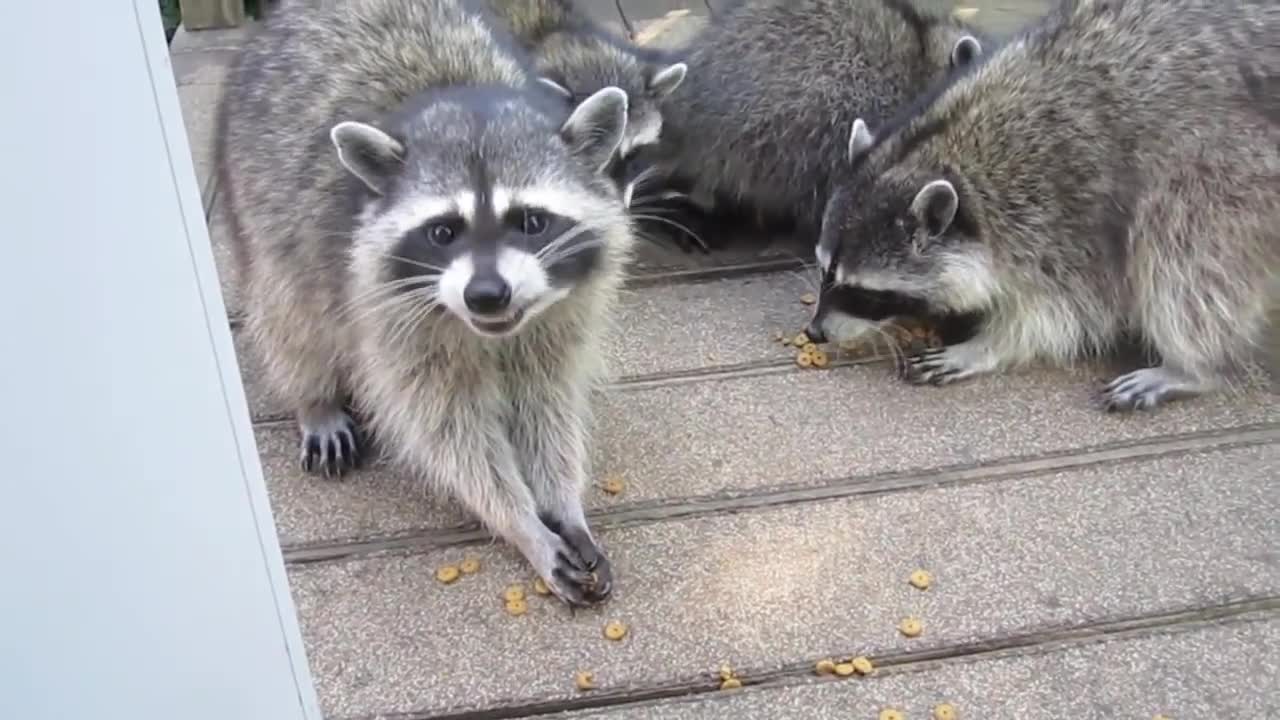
615	630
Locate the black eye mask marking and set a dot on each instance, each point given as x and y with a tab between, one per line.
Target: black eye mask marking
874	305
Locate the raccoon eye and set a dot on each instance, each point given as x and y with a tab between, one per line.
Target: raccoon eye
440	233
534	222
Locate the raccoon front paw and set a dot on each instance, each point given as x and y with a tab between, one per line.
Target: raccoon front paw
329	446
577	571
947	364
1146	389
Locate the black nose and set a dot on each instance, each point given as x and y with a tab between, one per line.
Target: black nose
487	295
815	334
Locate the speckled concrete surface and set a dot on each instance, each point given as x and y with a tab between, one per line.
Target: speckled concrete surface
199	110
1231	670
759	590
797	427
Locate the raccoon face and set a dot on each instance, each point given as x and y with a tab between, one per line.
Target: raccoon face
898	244
485	207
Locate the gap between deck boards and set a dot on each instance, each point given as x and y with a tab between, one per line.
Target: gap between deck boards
329	551
1258	609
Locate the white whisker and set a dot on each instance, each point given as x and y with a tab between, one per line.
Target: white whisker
682	227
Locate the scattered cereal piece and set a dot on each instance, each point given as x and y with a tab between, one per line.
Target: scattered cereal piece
517	607
615	630
921	579
513	593
890	714
964	13
447	574
726	672
732	683
809	348
844	669
820	359
804	360
540	586
584	680
469	566
808	298
613	485
862	665
800	340
911	627
825	667
944	711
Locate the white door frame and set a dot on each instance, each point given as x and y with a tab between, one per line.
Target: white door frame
140	574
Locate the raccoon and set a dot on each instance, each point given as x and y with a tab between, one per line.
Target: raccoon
576	56
1112	173
425	233
774	85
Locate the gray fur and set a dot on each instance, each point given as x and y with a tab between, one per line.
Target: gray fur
349	131
1113	171
774	85
580	56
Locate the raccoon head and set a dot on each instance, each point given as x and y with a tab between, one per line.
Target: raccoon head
578	64
901	242
485	203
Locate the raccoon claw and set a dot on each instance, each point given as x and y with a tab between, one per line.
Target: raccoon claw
945	365
582	576
1145	390
330	448
581	588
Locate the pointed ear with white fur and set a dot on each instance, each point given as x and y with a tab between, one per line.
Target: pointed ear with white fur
860	140
966	50
665	81
368	153
595	129
935	206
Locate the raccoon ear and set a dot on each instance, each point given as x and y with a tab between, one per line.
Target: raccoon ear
666	80
860	139
594	130
935	206
368	153
966	50
557	87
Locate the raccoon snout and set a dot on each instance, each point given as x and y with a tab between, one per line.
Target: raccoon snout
487	295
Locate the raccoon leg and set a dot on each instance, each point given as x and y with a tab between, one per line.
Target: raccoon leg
475	461
951	363
1201	280
303	368
549	432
